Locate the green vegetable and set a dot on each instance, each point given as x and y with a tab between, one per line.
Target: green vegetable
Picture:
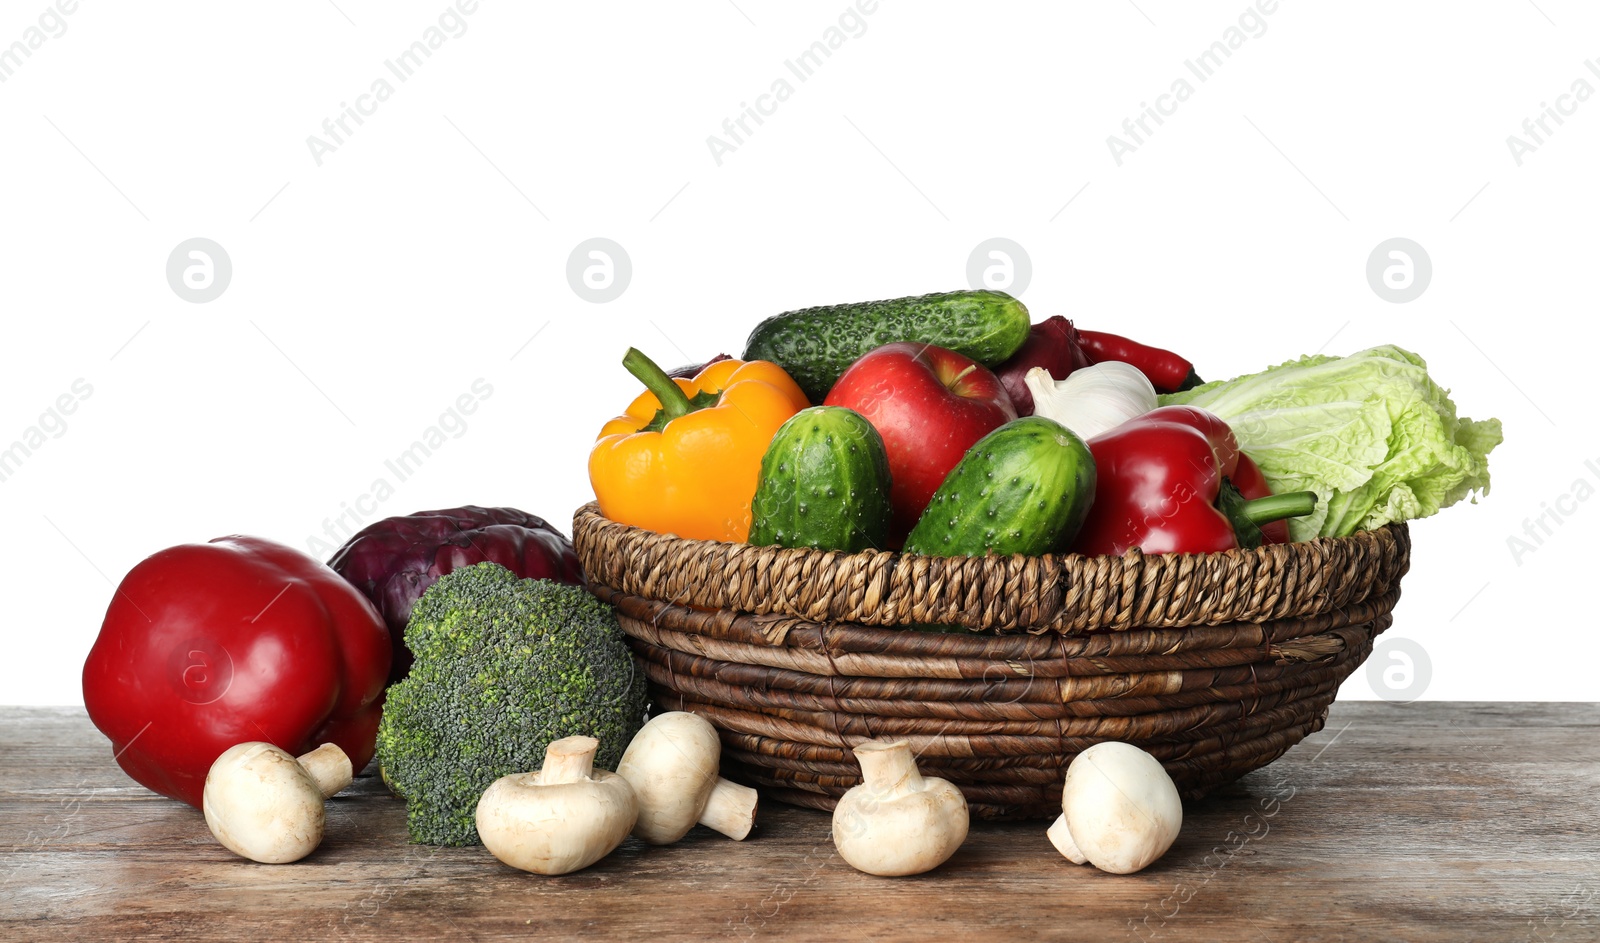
1371	434
503	667
1024	488
824	483
816	345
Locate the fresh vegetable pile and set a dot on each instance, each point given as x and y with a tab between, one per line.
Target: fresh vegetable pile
950	427
219	663
245	678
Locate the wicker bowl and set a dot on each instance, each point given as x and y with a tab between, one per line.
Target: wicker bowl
1215	663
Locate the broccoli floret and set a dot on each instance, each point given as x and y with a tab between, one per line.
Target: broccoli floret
503	667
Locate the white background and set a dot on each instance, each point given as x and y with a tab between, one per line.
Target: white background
369	292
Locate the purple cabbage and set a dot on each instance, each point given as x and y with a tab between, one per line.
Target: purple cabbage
393	561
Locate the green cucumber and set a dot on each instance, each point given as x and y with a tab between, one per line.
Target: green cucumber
816	345
824	484
1023	488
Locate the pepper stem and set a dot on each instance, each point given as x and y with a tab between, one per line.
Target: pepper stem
1277	507
1247	516
674	402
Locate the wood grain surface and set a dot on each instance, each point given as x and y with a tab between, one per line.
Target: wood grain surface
1428	821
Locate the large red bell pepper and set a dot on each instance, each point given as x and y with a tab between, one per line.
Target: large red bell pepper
1174	481
209	645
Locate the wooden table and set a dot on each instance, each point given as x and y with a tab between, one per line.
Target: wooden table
1430	821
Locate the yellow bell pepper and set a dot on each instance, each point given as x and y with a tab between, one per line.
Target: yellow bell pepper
685	457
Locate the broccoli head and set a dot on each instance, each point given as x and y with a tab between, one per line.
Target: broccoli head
503	667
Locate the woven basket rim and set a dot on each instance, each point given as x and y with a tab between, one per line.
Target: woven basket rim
1063	593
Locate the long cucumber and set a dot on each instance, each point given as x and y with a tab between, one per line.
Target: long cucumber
816	345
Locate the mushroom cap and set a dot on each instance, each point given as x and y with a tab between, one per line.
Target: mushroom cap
260	803
672	765
1120	806
555	828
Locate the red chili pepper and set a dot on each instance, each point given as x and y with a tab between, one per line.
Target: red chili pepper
1163	483
210	645
1167	372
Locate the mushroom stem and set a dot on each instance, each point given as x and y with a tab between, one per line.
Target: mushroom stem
888	768
1061	837
672	766
329	767
568	760
731	809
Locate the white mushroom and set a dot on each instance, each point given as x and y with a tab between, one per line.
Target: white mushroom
265	805
1119	809
896	822
672	766
564	817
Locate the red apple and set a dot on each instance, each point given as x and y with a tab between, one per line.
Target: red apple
929	404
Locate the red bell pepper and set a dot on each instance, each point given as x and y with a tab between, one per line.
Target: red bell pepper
1174	481
209	645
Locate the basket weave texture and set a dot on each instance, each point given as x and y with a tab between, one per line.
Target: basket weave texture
1215	663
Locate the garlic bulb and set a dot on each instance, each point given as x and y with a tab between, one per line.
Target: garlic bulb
1093	399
